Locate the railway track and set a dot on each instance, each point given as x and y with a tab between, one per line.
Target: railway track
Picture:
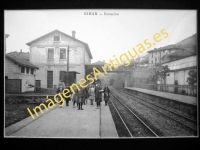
135	126
178	118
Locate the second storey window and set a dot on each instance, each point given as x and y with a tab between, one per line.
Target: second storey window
62	53
32	71
27	70
50	53
56	38
22	69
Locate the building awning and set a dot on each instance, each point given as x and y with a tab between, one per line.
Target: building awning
73	72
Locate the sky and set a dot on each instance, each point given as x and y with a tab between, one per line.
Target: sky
106	35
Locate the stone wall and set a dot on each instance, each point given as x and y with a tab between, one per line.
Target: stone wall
183	107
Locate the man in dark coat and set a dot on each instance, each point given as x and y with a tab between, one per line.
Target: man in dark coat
106	92
98	95
80	100
67	99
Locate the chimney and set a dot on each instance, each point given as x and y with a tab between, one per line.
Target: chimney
73	34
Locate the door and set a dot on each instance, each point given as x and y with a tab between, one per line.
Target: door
49	79
71	76
37	83
176	88
13	86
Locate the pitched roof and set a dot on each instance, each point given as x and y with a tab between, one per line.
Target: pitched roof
98	63
86	45
21	61
177	55
168	47
21	55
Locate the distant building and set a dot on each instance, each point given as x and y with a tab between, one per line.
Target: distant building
49	53
180	63
179	73
19	72
156	54
141	61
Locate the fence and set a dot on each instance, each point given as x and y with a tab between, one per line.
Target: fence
43	90
176	89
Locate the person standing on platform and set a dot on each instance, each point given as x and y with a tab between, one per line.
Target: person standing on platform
106	92
98	95
91	94
59	83
75	98
59	90
85	95
80	101
67	99
63	84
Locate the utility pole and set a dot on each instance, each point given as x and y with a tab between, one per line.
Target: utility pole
67	64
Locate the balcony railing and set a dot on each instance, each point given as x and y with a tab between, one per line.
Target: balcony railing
175	89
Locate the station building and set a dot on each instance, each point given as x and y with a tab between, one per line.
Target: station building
49	53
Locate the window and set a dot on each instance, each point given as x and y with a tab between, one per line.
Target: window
152	54
22	69
32	71
27	70
63	53
50	53
166	52
56	38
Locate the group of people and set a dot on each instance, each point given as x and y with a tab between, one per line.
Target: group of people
94	92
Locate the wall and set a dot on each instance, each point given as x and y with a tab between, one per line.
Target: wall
10	68
180	75
182	63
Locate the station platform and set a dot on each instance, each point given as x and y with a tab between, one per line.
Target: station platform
67	122
180	98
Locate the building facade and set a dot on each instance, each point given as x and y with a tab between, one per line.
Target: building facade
179	73
19	74
49	53
156	54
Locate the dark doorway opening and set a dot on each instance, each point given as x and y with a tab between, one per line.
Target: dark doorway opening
49	79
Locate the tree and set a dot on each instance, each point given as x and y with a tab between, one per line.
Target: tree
159	73
192	79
